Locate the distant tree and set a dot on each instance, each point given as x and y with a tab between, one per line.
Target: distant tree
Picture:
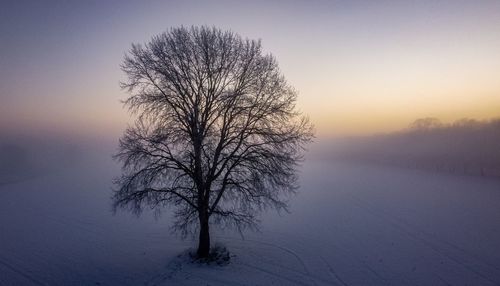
466	123
217	133
427	123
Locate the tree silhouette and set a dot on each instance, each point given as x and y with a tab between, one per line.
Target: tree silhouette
217	133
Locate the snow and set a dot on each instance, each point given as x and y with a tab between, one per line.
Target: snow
349	225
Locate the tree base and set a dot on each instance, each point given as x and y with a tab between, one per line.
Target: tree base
218	255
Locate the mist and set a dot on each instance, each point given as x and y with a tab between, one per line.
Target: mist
409	200
26	155
463	147
364	215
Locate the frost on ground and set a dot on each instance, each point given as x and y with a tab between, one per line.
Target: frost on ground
350	225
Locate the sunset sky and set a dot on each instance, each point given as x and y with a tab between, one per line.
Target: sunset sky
360	67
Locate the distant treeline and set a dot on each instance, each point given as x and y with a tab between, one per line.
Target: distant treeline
465	146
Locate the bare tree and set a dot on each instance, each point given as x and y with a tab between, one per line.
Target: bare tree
217	134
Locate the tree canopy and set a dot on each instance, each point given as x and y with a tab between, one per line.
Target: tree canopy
217	132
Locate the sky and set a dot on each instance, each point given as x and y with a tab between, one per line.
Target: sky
360	67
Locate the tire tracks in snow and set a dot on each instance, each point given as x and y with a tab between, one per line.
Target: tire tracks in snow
291	252
332	272
420	235
21	273
306	272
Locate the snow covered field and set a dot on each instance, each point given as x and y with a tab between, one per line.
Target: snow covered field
349	225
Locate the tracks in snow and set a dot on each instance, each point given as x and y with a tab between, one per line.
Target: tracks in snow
441	247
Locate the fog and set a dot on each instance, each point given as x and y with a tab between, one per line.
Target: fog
359	218
466	146
419	206
463	147
27	155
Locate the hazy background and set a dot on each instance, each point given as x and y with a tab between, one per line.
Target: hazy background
361	68
388	84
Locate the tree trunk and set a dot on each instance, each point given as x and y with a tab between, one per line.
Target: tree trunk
204	241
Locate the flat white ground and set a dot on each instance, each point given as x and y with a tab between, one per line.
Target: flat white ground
349	225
